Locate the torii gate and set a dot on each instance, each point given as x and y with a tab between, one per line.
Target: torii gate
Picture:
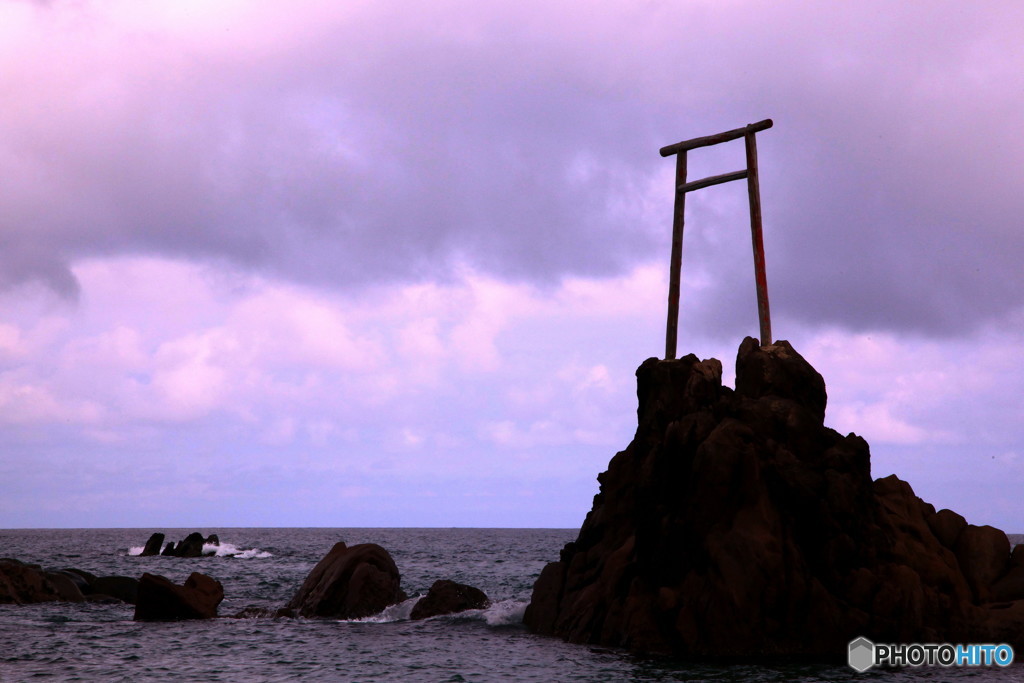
682	187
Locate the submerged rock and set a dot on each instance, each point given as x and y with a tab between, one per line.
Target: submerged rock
159	599
79	579
260	613
448	597
67	588
88	577
349	583
736	523
124	588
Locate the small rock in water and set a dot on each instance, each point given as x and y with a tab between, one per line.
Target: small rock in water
349	583
153	545
159	599
448	597
192	546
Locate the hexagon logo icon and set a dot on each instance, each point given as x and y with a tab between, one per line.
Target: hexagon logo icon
862	654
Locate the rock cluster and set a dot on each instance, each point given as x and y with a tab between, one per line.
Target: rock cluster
736	523
190	546
22	583
363	580
348	583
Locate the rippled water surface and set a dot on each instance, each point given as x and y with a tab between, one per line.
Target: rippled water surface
264	567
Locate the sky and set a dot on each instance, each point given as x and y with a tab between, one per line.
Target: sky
348	264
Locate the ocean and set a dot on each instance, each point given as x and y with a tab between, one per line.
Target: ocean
264	567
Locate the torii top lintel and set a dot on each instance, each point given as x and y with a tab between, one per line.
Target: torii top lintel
708	140
753	191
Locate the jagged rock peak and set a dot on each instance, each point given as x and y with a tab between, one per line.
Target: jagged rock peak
778	370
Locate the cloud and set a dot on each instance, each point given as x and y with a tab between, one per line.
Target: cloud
165	341
167	372
361	237
348	145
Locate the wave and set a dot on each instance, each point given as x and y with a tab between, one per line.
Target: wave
399	612
222	550
506	613
229	550
500	613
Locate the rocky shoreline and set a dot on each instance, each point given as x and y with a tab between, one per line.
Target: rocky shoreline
348	583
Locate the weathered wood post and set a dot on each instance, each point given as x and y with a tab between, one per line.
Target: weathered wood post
760	277
676	260
753	190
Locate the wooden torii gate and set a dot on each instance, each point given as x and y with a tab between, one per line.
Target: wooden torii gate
682	187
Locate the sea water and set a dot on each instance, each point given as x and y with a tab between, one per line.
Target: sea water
264	567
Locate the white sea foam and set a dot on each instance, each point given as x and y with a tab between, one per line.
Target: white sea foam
501	613
230	550
222	550
505	613
399	612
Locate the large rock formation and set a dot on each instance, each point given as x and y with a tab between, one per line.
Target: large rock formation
349	583
736	523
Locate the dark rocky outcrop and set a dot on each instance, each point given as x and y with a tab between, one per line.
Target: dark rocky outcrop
22	583
190	546
448	597
159	599
736	523
68	590
153	545
349	583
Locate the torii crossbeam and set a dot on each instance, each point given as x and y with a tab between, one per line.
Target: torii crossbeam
682	187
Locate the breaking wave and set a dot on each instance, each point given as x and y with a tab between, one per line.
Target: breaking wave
499	613
222	550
